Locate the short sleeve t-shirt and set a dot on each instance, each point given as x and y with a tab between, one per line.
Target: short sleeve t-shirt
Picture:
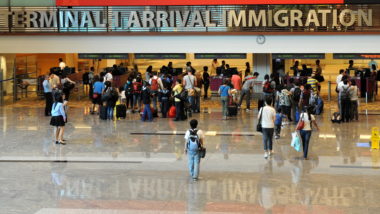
224	90
268	116
98	87
305	118
187	137
189	81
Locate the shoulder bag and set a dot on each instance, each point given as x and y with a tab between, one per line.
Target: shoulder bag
300	124
259	127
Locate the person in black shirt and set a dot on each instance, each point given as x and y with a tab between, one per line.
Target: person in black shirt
296	69
206	81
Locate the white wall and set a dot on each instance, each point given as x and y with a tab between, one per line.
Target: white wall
191	44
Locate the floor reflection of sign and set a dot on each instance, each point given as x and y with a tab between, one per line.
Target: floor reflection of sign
364	145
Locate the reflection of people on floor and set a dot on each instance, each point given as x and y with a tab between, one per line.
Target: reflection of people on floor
224	147
195	204
266	193
58	178
346	143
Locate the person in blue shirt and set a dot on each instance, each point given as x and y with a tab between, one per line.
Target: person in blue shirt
48	95
58	118
98	88
278	123
224	92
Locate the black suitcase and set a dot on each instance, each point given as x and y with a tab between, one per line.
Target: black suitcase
232	110
260	104
121	111
103	113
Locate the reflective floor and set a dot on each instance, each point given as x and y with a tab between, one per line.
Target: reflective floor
127	166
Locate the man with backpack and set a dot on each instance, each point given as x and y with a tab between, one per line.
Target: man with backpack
194	139
155	86
128	90
344	99
268	87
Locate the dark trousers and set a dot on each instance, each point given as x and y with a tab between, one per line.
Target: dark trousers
268	138
147	113
164	108
48	103
277	130
247	94
345	110
354	110
179	114
305	136
206	86
129	100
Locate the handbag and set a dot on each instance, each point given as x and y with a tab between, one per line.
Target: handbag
296	141
300	124
259	127
202	152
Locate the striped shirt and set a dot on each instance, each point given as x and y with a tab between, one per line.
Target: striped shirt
313	83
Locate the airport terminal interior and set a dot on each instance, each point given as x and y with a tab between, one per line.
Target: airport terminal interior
124	162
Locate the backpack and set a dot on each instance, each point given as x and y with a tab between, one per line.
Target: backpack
137	87
267	87
335	118
345	94
128	88
154	85
193	142
297	95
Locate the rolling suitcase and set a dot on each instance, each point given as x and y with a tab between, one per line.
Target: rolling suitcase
232	110
103	113
121	111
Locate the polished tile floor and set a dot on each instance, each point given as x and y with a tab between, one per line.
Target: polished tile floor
126	166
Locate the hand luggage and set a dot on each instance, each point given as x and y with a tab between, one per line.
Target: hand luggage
172	112
336	118
121	111
232	109
154	112
103	113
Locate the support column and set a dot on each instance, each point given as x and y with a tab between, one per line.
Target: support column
262	63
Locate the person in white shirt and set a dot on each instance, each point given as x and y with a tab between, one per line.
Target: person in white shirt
308	119
266	117
108	77
339	77
354	96
62	64
194	139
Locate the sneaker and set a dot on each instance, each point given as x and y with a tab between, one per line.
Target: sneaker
195	179
63	143
266	155
56	142
247	110
276	137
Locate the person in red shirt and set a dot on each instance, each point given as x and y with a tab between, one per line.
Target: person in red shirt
237	83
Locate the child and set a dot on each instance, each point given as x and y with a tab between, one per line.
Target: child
165	95
58	118
146	97
193	141
278	123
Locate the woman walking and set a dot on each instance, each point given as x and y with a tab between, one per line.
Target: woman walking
224	92
267	116
58	118
354	96
308	121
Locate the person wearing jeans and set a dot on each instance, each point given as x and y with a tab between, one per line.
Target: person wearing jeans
224	92
305	132
267	116
192	148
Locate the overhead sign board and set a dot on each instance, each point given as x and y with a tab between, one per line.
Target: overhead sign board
188	2
356	56
102	56
220	56
298	56
160	56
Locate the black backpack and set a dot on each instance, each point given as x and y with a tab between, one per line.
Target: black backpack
345	94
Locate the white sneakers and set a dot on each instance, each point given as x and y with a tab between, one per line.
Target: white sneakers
268	154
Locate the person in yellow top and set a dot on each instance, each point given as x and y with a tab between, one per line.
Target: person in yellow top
313	82
179	115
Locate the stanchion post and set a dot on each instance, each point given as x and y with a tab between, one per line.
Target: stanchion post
329	90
